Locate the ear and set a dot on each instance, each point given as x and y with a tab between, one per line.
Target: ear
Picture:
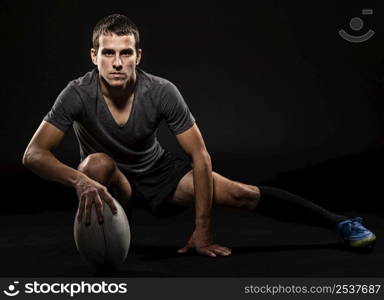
138	58
94	56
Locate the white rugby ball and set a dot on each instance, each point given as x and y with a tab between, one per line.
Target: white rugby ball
106	245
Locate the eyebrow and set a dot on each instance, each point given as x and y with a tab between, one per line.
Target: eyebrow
110	49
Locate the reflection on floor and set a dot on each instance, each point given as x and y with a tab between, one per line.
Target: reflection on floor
42	244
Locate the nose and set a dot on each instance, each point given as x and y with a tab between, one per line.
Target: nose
117	63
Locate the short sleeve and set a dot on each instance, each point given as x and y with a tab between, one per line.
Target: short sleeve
174	110
66	109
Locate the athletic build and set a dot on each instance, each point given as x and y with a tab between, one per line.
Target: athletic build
115	111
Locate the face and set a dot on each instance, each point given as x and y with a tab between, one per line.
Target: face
116	59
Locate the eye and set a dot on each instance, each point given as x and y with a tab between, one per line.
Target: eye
108	52
127	52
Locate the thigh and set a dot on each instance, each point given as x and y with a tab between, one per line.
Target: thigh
226	192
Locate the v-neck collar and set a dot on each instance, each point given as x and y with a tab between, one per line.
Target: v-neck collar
108	111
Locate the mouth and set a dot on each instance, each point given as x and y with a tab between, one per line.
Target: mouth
116	74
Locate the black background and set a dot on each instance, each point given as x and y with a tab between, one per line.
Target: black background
279	96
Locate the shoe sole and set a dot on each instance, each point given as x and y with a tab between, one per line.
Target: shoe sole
370	240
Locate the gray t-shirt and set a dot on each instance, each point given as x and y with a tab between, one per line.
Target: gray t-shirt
134	145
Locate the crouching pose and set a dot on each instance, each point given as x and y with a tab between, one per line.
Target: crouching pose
115	110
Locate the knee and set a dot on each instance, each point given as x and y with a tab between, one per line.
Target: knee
245	196
99	166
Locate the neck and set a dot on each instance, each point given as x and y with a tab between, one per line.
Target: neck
120	95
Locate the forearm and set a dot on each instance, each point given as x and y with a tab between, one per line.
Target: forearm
46	165
203	185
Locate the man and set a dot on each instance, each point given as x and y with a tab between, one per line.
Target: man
115	111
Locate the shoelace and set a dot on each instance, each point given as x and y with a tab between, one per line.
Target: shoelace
356	222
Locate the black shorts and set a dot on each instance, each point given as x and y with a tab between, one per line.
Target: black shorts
152	187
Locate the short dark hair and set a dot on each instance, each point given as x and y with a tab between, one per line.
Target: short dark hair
117	24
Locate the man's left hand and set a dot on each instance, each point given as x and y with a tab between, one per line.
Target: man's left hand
203	244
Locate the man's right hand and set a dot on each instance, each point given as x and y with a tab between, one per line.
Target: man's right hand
91	192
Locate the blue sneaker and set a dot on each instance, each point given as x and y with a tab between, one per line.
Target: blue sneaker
353	232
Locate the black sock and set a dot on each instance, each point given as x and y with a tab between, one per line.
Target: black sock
277	203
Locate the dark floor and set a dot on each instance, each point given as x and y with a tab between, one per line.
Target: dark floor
42	245
37	227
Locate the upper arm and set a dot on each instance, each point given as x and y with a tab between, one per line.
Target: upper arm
174	109
192	142
68	107
46	137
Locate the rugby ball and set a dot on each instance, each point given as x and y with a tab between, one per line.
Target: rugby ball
106	245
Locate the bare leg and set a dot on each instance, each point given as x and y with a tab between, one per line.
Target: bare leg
226	193
269	201
103	169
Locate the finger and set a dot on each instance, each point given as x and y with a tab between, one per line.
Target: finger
88	207
183	250
81	209
109	200
221	252
224	250
99	208
206	252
